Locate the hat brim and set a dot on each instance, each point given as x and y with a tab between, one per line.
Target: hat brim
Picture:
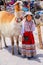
28	13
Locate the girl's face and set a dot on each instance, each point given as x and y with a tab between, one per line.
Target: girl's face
29	18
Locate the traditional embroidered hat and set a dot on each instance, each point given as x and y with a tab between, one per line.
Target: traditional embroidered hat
28	13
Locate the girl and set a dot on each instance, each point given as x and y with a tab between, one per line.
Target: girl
28	43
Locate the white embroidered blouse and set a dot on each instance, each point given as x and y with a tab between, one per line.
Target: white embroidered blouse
27	26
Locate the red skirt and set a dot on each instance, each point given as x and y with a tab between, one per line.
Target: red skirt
28	38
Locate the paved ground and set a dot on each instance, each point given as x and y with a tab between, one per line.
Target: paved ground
6	58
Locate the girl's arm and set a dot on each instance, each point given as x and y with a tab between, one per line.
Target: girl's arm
33	26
